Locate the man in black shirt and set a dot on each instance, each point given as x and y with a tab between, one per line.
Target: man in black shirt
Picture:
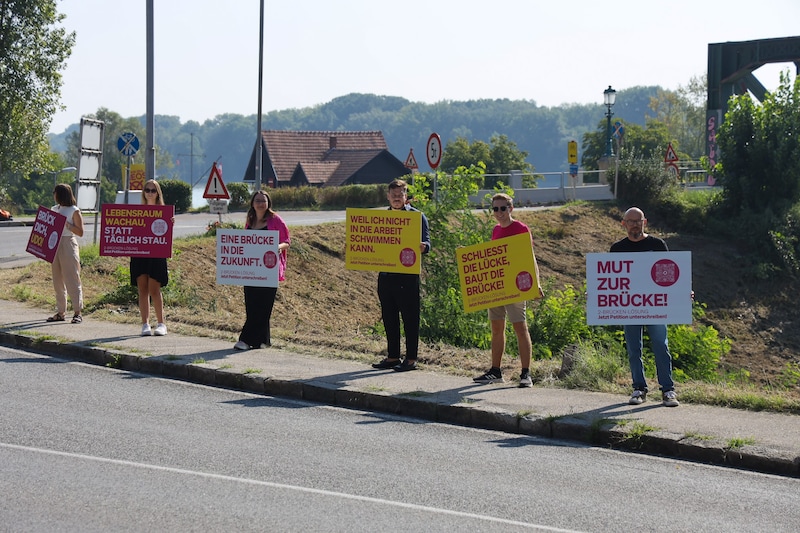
637	240
399	295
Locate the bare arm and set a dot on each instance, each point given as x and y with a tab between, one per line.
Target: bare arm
76	224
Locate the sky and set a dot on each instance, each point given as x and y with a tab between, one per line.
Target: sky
549	52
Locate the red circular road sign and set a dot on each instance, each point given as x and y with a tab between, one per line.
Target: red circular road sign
434	150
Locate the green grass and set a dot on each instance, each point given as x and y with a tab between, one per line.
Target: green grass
739	442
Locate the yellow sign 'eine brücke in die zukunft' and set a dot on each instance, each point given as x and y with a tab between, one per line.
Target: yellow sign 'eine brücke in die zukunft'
383	240
497	272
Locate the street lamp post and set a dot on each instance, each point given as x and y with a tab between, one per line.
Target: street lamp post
57	172
609	97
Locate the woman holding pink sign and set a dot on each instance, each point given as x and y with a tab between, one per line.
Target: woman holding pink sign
66	264
259	301
149	274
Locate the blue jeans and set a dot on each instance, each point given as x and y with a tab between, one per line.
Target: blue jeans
658	342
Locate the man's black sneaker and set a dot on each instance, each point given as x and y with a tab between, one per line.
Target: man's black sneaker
407	365
386	364
492	376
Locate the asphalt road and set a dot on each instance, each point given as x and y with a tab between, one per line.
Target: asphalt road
14	239
87	448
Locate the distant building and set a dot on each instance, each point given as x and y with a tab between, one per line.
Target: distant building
324	159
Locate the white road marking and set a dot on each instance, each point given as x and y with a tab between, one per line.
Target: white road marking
284	486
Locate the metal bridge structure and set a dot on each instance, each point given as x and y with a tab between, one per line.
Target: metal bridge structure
730	73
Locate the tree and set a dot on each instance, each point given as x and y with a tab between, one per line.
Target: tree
24	192
32	52
501	156
683	114
460	153
760	147
505	156
646	143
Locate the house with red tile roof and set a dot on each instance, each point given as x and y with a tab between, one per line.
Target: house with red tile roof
324	159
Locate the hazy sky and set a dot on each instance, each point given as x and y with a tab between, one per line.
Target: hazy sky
551	52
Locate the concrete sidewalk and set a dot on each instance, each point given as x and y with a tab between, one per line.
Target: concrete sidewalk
691	432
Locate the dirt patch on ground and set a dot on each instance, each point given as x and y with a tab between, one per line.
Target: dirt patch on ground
326	309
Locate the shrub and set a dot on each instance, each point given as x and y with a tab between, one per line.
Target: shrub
696	351
177	193
643	182
352	196
240	196
452	225
294	197
557	320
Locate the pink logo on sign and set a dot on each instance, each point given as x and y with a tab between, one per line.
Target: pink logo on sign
408	257
665	273
524	281
270	259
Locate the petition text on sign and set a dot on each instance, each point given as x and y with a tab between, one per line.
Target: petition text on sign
136	230
247	257
497	273
383	240
639	288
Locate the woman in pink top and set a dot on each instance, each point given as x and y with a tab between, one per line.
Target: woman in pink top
259	301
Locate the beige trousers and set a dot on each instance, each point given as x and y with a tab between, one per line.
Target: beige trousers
67	275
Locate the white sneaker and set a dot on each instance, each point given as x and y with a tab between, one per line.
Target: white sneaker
161	329
241	346
146	331
638	397
670	399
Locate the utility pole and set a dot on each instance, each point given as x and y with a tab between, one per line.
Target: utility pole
191	155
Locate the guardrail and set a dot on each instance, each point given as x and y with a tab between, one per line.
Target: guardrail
557	187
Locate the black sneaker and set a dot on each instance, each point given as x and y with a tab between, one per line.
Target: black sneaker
525	380
492	376
406	366
386	364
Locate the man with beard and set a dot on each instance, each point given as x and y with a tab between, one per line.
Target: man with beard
637	240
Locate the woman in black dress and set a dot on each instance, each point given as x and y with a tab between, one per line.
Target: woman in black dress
149	274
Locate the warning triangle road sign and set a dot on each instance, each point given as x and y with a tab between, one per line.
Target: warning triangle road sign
215	188
411	161
670	156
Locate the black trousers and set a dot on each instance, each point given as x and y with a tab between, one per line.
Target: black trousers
399	297
258	304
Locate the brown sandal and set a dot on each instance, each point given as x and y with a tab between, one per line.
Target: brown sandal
58	317
77	319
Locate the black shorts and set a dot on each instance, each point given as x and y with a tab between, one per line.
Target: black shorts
155	267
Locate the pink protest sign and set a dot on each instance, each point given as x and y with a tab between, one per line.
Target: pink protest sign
639	288
136	230
46	234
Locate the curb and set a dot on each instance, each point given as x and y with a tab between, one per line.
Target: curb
595	432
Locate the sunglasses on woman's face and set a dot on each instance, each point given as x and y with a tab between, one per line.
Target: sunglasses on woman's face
151	190
500	208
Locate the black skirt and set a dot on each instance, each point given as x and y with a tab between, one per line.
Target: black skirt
155	267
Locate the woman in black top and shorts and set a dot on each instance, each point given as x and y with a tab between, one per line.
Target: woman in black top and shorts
149	274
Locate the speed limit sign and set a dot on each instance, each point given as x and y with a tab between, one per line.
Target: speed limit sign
434	150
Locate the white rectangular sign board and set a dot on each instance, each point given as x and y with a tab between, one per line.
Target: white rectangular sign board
639	288
247	257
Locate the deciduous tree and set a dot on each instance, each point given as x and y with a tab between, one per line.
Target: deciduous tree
760	146
33	50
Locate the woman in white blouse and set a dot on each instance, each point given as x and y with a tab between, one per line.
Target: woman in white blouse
67	262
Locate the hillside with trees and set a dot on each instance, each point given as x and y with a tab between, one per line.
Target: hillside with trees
187	150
